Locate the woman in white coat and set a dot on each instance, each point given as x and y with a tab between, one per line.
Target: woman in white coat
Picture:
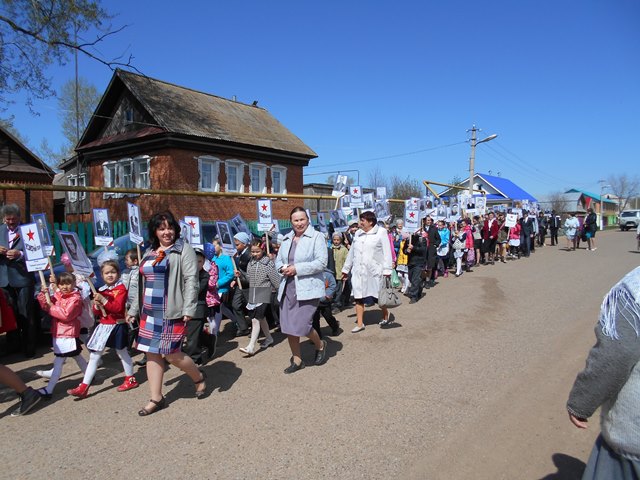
369	261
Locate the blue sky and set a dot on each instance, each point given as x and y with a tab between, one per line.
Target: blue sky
357	81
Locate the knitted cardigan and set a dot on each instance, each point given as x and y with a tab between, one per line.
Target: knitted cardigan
611	378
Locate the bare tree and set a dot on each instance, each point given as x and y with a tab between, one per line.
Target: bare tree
624	187
403	189
377	179
37	34
557	202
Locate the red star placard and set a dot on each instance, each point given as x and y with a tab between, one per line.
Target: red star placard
412	214
264	207
193	224
30	235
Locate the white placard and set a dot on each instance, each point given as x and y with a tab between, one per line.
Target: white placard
35	255
102	227
367	198
226	240
195	231
338	220
411	220
72	246
40	219
511	220
135	231
340	187
381	193
355	192
322	221
265	220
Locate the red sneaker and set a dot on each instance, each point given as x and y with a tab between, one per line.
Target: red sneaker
128	384
81	391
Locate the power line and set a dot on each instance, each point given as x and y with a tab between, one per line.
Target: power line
388	156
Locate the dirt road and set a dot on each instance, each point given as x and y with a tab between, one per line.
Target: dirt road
470	384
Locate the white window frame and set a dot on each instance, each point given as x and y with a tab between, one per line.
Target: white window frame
214	163
240	181
135	176
82	182
72	181
283	179
262	177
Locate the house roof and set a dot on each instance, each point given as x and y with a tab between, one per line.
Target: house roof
25	161
183	111
592	195
572	198
507	190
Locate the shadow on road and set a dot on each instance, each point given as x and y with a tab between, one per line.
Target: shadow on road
569	468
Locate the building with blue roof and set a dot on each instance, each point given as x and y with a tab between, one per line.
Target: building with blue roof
498	190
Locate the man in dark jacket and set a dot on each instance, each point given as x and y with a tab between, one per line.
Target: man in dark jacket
554	224
430	233
416	250
17	282
526	233
241	259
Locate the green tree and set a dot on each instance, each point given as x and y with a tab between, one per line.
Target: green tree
37	34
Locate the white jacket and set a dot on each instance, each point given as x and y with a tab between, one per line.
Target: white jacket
368	261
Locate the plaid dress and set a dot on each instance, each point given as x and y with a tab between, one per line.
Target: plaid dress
157	334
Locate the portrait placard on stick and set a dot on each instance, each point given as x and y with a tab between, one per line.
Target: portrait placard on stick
35	255
135	232
226	240
338	220
381	193
102	227
411	220
238	224
265	220
481	205
195	231
322	221
367	198
185	231
355	192
340	187
72	246
40	219
511	220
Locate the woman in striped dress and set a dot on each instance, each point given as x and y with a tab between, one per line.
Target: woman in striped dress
168	295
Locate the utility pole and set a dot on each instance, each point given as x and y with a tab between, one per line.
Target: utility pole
472	159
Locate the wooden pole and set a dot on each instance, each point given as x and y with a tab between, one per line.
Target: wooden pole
44	283
235	272
93	289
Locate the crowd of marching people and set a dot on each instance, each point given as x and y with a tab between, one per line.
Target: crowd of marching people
170	303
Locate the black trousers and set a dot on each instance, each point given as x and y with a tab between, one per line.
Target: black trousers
24	337
325	311
415	277
238	303
554	236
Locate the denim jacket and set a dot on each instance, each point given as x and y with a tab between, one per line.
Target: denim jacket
310	261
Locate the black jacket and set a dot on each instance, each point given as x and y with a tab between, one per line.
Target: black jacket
418	254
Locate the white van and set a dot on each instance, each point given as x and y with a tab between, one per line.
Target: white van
629	219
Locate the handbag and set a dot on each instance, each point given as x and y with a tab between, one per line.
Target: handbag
388	297
458	244
395	279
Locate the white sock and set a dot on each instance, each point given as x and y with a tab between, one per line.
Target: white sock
458	266
90	372
58	362
127	363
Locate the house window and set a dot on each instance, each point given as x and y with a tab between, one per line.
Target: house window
127	173
82	182
235	175
278	179
72	181
258	174
128	116
208	167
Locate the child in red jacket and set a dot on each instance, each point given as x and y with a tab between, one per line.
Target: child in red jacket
112	331
65	309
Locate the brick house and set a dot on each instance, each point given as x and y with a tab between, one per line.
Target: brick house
151	134
18	164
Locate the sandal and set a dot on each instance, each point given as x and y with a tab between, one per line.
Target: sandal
158	405
201	393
